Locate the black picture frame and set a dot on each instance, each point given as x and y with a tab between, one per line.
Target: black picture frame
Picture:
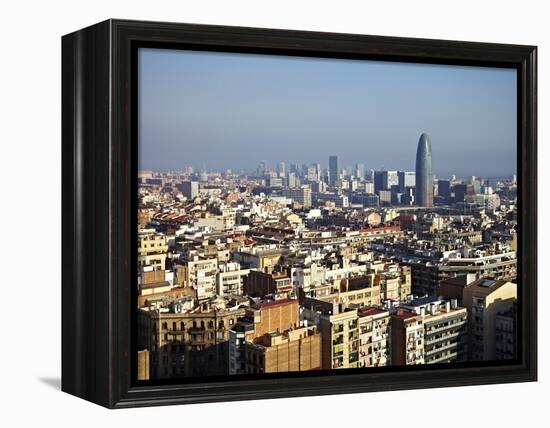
99	200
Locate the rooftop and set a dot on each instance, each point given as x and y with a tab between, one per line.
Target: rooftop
420	301
488	283
460	280
155	285
402	313
274	303
369	312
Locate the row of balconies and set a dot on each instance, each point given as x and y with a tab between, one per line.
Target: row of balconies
442	358
435	350
445	327
431	339
415	358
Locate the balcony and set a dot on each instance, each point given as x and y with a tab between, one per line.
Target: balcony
431	340
443	358
433	351
337	363
338	341
446	327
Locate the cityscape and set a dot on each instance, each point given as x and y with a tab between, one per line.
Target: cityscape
305	266
318	214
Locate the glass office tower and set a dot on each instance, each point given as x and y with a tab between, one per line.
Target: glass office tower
424	173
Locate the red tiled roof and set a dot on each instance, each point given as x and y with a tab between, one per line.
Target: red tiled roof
404	314
370	311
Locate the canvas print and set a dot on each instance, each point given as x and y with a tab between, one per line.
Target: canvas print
300	214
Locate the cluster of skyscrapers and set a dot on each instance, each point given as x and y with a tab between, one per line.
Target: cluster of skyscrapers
309	268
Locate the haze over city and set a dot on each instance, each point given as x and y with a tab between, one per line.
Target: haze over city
195	106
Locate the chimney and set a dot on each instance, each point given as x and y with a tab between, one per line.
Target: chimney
454	303
422	311
447	306
470	277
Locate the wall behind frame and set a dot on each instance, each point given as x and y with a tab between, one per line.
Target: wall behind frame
31	165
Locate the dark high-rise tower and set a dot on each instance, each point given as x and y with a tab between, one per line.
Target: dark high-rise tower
333	169
424	173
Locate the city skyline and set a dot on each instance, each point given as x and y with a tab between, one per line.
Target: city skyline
194	104
273	167
278	272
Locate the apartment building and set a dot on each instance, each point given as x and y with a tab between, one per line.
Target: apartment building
292	350
230	279
445	329
407	338
202	277
261	284
453	288
443	332
427	274
484	300
143	365
506	334
261	319
152	249
360	291
340	340
258	258
190	343
374	337
396	285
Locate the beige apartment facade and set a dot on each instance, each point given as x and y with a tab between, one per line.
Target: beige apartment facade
152	249
374	337
485	299
292	350
186	344
340	339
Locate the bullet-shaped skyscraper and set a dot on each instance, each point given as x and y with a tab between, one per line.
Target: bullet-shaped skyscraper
424	173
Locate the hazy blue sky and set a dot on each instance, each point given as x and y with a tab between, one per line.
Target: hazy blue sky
227	110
